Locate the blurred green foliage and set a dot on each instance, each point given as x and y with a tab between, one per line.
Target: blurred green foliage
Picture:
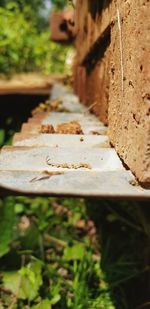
23	47
59	4
49	257
34	4
36	9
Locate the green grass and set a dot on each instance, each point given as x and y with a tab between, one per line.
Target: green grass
49	251
70	253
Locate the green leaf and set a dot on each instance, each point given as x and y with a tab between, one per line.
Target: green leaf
75	252
30	240
19	208
7	221
55	292
55	299
26	282
44	304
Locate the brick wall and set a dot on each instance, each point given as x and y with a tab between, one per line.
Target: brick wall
92	44
129	127
112	74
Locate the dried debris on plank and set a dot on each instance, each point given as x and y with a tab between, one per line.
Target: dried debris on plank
49	106
47	129
68	165
72	127
45	175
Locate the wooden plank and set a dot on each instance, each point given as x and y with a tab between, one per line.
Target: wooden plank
60	140
29	83
51	164
115	184
59	159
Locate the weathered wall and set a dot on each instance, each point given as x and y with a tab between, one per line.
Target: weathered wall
62	26
97	88
129	95
113	66
92	60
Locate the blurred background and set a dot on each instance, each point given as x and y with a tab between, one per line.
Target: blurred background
25	44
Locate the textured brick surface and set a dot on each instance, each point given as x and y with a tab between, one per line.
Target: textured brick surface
129	103
91	23
91	72
62	26
117	74
97	85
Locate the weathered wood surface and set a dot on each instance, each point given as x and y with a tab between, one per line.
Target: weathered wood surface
29	83
66	164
